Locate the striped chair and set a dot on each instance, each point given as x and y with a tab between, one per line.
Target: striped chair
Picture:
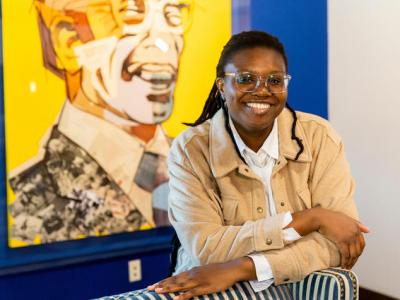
330	284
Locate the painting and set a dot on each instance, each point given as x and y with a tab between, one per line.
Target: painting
94	93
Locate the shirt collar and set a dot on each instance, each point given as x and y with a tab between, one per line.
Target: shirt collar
270	145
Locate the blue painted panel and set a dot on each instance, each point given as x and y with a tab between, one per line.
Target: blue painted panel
85	280
302	27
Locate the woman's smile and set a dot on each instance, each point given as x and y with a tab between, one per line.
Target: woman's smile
258	108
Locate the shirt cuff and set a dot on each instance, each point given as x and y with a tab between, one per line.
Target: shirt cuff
290	235
263	271
259	286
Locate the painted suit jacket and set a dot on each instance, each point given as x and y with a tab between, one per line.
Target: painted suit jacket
67	194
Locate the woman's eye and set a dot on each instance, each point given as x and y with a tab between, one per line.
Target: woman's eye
172	15
245	78
275	80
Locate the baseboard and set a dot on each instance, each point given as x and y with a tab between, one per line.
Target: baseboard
370	295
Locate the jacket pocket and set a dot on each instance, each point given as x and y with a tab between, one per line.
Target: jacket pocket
305	195
229	209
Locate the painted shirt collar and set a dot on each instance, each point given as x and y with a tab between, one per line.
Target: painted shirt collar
118	152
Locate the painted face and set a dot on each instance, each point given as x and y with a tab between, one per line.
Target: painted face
132	62
255	111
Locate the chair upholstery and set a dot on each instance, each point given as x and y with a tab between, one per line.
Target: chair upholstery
330	284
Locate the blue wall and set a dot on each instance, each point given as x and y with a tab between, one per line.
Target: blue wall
302	28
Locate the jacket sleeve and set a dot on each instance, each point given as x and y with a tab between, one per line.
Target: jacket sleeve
195	211
297	260
331	186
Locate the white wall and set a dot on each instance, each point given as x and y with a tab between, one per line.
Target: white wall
364	106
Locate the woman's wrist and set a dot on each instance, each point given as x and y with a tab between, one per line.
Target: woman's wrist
318	216
307	221
243	269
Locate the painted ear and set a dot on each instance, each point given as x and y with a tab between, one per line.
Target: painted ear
65	38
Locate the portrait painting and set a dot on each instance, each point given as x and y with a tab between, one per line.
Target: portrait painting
94	93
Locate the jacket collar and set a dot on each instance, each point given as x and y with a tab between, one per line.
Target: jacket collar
288	148
223	154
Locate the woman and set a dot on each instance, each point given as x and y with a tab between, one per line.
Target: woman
259	192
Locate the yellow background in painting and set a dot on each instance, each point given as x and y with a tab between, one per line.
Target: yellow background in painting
209	32
34	96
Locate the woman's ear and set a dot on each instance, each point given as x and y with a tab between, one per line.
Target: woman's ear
219	82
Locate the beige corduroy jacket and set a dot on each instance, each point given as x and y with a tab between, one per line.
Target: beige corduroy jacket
217	204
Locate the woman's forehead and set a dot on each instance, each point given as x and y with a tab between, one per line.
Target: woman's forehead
258	59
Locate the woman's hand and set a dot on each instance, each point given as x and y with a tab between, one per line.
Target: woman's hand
206	279
346	233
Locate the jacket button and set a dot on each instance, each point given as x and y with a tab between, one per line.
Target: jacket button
268	241
260	209
282	203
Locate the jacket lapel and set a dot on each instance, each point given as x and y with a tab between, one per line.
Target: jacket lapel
223	155
288	148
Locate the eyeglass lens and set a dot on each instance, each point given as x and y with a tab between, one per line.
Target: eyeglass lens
249	82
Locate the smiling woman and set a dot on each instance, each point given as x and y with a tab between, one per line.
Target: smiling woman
258	192
254	107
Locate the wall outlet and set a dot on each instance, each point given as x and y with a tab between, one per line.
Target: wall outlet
135	270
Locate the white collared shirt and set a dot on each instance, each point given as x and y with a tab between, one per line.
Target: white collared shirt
262	164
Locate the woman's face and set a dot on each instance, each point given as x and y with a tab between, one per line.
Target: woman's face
253	112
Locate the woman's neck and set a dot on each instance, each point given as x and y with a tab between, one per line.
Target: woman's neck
253	139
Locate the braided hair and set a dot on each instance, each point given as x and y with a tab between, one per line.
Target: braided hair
238	42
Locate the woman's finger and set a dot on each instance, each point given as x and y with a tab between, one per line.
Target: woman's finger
177	286
189	294
344	254
358	250
363	228
358	246
159	286
353	255
362	241
164	281
152	286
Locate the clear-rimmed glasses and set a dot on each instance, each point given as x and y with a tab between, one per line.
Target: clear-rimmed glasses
248	82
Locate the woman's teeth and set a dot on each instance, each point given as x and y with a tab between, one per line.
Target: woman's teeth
258	107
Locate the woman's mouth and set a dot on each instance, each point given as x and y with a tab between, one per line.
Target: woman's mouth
258	107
